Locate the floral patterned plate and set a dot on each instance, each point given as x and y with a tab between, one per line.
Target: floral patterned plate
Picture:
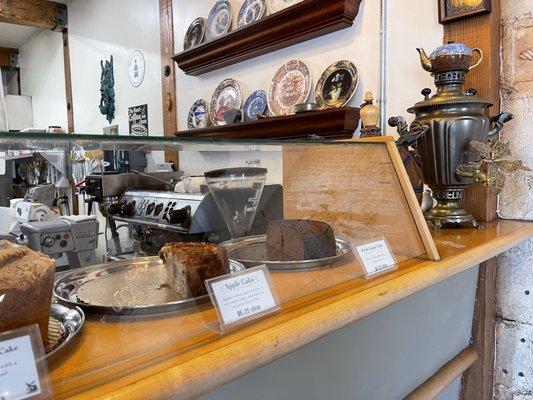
290	86
251	11
219	20
337	85
227	96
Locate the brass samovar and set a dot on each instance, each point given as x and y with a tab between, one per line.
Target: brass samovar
451	135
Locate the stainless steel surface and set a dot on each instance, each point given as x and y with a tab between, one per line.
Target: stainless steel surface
162	216
129	287
252	251
107	185
71	320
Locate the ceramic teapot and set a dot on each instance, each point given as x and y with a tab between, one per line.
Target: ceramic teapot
450	57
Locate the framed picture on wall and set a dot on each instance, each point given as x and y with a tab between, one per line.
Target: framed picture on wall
451	10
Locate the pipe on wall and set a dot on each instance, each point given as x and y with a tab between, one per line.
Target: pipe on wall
383	67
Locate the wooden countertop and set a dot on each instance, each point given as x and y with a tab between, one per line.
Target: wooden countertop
181	356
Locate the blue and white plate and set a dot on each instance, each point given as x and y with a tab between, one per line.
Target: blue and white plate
198	115
251	11
255	105
219	20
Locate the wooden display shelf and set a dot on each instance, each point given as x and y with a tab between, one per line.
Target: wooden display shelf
296	24
338	123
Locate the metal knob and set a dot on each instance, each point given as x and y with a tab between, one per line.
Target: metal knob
128	209
48	241
180	216
426	92
115	208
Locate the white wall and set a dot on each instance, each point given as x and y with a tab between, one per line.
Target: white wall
42	76
98	29
407	30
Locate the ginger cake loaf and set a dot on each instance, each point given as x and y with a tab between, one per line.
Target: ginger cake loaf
299	240
26	284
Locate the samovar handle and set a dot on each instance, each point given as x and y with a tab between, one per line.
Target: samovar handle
480	52
498	122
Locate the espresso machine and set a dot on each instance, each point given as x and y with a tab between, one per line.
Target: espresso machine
157	217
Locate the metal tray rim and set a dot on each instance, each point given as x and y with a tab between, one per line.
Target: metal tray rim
70	332
342	245
137	310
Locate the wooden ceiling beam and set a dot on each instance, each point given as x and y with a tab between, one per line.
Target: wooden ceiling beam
36	13
5	56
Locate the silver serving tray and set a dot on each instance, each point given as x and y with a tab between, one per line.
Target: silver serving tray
128	287
71	320
252	251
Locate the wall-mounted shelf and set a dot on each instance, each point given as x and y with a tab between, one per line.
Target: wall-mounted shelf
337	123
301	22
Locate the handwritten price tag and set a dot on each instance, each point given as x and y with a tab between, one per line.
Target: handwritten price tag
375	257
243	296
22	366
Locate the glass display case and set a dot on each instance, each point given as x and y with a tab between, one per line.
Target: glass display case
115	304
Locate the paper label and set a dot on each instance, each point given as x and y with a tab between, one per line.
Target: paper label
19	378
243	296
375	257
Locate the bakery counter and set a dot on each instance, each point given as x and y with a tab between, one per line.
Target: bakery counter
182	356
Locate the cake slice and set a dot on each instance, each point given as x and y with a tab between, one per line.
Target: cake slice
298	240
26	284
188	265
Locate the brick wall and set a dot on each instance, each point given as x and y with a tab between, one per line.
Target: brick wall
513	376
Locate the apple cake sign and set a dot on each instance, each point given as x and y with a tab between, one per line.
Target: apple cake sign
243	296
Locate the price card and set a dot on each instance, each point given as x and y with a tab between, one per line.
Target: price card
241	297
23	373
375	257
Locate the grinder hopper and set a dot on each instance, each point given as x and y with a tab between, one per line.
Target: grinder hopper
237	192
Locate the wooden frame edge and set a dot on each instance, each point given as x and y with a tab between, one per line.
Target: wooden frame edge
412	201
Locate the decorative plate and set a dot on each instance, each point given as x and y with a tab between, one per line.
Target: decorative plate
136	67
198	115
228	95
337	85
219	20
278	5
195	33
251	11
290	86
255	105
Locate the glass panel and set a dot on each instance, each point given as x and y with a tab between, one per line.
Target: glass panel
133	315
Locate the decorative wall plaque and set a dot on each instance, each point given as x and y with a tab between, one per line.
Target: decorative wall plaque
136	68
107	89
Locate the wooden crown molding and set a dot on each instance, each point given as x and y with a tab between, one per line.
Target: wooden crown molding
336	123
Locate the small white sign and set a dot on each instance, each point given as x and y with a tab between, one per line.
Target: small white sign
22	367
375	257
243	296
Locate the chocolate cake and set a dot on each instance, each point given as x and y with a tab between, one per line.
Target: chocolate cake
26	284
190	264
298	240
